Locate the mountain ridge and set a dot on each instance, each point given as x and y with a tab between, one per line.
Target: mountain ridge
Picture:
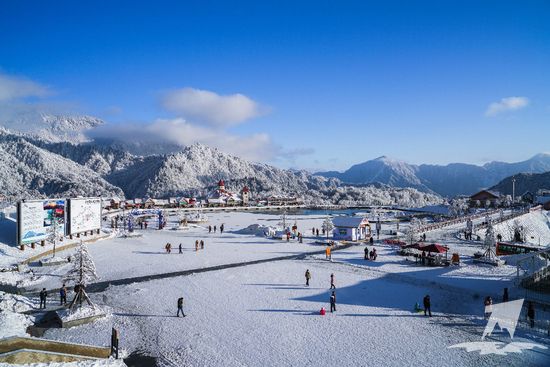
447	180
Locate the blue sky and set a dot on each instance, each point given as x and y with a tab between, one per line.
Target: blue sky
315	85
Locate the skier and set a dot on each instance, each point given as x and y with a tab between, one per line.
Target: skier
488	306
308	277
333	302
327	253
505	296
209	229
63	295
180	248
202	245
531	314
221	228
332	286
43	295
366	252
427	306
180	307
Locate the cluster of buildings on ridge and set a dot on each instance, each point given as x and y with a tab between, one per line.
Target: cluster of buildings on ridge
218	197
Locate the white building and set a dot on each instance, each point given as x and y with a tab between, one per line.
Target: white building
351	228
221	197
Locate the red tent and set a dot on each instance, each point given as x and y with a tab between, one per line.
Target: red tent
434	247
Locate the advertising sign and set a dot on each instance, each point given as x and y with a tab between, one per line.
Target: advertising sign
36	219
84	214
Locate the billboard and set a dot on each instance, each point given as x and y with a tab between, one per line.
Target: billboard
36	219
84	214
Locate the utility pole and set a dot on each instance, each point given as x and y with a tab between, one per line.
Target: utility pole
513	190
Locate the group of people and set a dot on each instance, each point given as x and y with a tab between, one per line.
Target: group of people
315	231
332	298
210	228
199	245
292	235
370	255
43	295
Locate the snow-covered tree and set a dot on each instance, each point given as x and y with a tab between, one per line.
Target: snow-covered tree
412	231
82	273
54	233
489	235
327	226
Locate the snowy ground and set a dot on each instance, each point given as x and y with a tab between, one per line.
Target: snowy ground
263	314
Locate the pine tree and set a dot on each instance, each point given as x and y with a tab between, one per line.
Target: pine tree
82	273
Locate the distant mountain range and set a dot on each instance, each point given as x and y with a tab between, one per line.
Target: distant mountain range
449	180
532	182
35	166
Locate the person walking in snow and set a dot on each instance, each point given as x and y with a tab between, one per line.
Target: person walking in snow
180	248
43	295
531	314
63	295
221	228
202	245
374	254
209	229
332	286
371	241
146	224
333	301
427	306
214	229
196	245
488	303
180	307
366	252
308	277
317	232
328	255
505	296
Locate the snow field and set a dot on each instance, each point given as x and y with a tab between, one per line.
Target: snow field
264	315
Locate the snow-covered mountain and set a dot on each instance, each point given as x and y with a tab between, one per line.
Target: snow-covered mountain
199	167
449	180
48	126
33	167
28	171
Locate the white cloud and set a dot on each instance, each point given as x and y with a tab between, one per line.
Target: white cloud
254	147
211	108
15	88
506	104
